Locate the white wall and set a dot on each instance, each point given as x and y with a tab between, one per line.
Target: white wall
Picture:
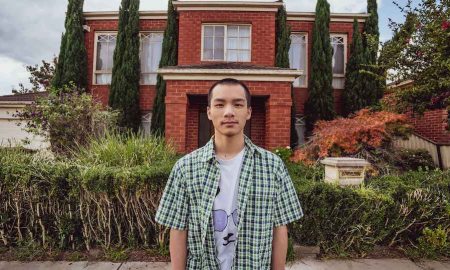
11	134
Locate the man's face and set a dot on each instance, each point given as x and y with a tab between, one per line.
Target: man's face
228	110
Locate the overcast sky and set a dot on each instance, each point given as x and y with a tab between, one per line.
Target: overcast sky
30	30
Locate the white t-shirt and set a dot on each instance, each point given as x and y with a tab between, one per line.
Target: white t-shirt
225	212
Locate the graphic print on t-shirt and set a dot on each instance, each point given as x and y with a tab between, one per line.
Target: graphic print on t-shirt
225	211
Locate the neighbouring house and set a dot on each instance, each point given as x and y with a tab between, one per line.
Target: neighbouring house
12	134
217	40
431	131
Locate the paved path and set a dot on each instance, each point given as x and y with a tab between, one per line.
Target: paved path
305	264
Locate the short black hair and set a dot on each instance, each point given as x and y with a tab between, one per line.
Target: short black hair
231	81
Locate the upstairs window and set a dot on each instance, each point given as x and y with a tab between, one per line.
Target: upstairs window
151	50
230	43
339	44
298	57
106	43
150	55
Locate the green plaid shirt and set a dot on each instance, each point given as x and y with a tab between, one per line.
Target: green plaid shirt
266	199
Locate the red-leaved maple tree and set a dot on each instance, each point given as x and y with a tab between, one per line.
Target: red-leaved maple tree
366	130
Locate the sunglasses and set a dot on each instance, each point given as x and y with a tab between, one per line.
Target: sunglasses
221	219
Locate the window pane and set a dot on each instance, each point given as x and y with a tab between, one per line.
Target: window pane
232	43
233	31
105	51
244	43
209	43
103	79
232	55
218	54
145	56
102	53
219	31
208	54
338	83
338	59
218	43
294	56
244	56
156	51
209	31
244	31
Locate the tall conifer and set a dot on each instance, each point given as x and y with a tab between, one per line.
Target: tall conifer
72	60
353	95
124	91
373	85
320	103
169	57
283	38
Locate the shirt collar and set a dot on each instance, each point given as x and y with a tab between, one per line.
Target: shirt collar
209	153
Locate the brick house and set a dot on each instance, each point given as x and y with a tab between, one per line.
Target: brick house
218	40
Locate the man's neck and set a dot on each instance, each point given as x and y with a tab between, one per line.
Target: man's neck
228	147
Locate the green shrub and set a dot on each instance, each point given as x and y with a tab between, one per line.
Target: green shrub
408	159
433	243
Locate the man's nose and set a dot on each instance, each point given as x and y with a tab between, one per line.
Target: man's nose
229	111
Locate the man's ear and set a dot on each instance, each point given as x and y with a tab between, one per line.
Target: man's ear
208	112
249	110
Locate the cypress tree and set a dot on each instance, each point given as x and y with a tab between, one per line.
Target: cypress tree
283	39
124	92
353	96
72	60
320	103
373	85
169	57
372	32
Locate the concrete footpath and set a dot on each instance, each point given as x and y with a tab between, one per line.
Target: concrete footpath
305	264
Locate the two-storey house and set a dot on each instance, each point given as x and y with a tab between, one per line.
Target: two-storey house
217	40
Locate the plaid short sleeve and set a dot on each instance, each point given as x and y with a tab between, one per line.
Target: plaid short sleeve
287	207
173	208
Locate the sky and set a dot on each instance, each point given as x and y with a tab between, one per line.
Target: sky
30	30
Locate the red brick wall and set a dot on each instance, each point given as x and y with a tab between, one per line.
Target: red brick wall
263	34
301	94
101	92
432	125
271	115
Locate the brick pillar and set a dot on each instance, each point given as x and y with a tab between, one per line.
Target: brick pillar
278	123
176	116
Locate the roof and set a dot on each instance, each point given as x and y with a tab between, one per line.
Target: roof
22	98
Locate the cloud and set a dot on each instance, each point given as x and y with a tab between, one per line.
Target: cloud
11	73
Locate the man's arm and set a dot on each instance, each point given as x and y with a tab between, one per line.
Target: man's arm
279	247
178	249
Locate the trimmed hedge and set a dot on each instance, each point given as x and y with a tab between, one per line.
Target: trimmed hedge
68	205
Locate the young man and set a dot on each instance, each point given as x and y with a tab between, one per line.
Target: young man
228	203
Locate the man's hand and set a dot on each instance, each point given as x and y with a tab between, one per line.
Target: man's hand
178	249
279	247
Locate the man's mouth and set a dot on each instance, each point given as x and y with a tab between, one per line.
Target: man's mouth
229	123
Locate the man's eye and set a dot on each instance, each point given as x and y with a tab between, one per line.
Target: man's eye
239	105
219	105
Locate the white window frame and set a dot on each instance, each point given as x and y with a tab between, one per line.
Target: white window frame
345	38
140	50
225	40
305	72
95	72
